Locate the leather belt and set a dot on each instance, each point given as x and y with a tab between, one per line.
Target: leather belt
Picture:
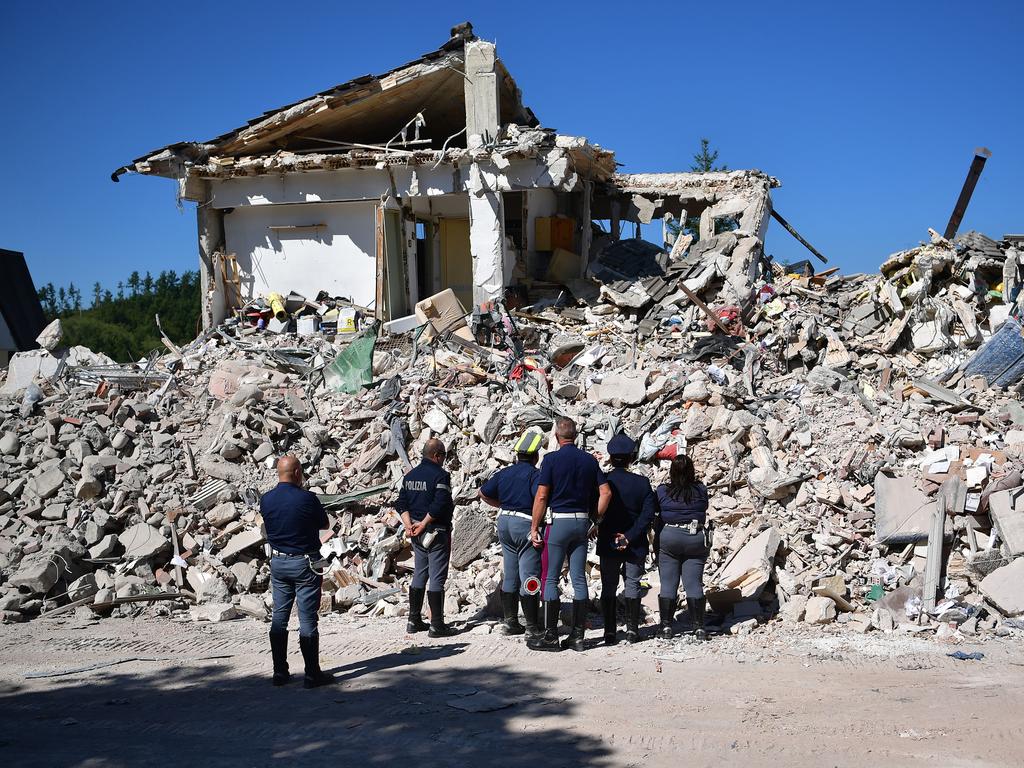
515	513
275	553
693	527
576	515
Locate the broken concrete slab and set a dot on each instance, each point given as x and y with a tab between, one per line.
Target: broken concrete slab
820	610
214	612
242	541
142	541
47	484
472	530
1004	588
620	388
903	514
751	568
37	574
1007	511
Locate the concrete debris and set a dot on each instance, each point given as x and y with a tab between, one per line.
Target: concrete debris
824	412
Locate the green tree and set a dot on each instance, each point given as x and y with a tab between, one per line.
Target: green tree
134	282
147	284
97	294
74	298
62	300
704	161
120	290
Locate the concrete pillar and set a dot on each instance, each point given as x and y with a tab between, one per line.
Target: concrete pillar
210	226
483	117
486	210
487	245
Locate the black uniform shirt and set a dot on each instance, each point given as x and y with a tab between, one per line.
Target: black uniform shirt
631	511
427	490
514	487
572	477
293	518
676	511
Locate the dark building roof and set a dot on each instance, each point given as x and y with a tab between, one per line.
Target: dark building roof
19	302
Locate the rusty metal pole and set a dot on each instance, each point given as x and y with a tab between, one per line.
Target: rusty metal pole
981	154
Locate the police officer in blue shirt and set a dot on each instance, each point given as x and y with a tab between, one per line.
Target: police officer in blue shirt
572	484
622	538
512	489
425	502
683	545
292	519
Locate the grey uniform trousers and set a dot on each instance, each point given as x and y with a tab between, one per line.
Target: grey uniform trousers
613	566
682	554
520	559
431	563
566	538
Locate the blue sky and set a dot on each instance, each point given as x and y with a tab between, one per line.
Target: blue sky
867	112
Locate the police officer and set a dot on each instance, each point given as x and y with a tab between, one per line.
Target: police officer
512	489
425	502
293	518
622	538
572	484
683	548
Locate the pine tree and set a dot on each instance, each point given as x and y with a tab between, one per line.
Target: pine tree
134	283
62	300
74	298
704	161
147	284
120	291
97	294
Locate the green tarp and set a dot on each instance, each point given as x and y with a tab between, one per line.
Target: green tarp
352	369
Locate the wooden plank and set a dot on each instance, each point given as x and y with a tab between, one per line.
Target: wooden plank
704	308
378	307
789	228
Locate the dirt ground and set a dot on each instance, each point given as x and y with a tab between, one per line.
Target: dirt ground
180	693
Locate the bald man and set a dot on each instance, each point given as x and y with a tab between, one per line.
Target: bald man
425	503
293	518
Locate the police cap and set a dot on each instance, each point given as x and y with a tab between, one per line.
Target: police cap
621	445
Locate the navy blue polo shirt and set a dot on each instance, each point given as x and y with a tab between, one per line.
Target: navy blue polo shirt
676	510
631	512
427	490
514	487
572	477
293	518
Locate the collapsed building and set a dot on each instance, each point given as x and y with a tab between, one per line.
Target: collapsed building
388	189
861	435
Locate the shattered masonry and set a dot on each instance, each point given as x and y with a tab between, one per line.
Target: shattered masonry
829	417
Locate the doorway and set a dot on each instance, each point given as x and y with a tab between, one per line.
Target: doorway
456	260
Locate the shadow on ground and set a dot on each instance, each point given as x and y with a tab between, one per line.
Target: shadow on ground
390	708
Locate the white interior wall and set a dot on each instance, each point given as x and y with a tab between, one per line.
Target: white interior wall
338	257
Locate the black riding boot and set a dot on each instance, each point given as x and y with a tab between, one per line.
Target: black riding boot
695	606
416	622
667	609
608	612
315	677
549	640
632	619
510	607
437	626
579	626
531	611
279	651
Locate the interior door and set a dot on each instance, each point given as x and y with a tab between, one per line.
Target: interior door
456	261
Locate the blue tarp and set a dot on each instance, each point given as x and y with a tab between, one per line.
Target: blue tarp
1001	359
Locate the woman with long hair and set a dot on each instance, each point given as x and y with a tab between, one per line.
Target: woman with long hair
683	549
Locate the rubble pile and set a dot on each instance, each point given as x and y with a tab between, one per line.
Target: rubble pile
863	469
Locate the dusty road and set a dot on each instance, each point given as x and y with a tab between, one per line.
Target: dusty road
813	700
